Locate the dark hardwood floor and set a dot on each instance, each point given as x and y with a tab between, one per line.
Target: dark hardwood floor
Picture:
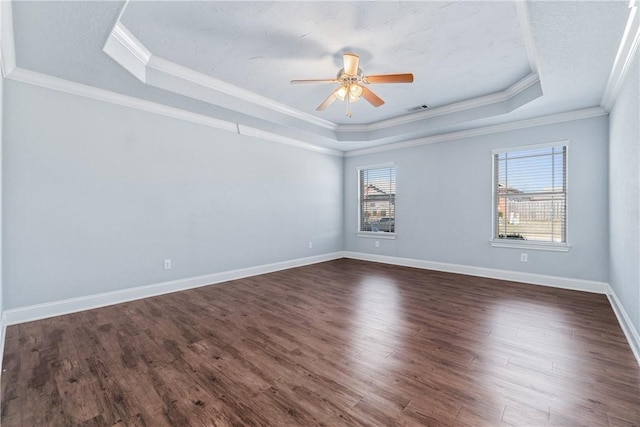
339	343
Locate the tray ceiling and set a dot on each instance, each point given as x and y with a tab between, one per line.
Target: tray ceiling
475	63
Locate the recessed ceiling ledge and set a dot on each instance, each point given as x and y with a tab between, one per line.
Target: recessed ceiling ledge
413	125
512	91
124	48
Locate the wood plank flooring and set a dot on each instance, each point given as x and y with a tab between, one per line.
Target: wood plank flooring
341	343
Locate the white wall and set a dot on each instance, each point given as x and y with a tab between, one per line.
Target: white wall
444	194
97	195
624	191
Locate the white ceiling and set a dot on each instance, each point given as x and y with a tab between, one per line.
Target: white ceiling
252	49
475	63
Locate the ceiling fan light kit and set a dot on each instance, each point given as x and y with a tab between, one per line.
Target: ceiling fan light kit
351	80
353	90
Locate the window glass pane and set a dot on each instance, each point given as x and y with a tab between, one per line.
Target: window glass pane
377	199
530	195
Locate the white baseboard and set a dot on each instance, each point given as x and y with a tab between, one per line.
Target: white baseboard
57	308
73	305
492	273
625	323
3	331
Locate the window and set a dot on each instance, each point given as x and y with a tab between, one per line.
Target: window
530	195
377	194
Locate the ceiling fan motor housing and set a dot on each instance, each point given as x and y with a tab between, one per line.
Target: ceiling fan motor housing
352	81
342	76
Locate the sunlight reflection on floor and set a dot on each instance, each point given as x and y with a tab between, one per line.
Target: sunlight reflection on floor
378	317
521	345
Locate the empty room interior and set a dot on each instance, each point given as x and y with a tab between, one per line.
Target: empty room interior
369	213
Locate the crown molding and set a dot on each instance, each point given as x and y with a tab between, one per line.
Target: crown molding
128	40
467	104
159	67
270	136
73	88
475	103
55	83
527	36
124	48
128	51
78	89
487	130
131	54
521	85
624	57
7	46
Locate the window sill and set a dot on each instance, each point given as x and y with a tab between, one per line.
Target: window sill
536	246
376	235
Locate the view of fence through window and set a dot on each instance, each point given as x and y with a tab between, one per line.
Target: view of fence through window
530	194
378	199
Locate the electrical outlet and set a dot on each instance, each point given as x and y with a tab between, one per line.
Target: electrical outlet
167	264
310	245
377	244
524	257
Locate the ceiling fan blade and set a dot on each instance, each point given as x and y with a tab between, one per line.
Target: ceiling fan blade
351	63
330	99
296	82
373	99
389	78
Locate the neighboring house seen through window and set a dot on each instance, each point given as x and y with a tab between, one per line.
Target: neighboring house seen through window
377	210
530	195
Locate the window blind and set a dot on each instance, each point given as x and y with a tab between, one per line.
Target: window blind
378	199
530	194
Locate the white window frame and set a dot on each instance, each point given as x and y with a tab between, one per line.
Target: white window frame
376	234
524	244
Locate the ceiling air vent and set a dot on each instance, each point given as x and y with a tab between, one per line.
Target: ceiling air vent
418	108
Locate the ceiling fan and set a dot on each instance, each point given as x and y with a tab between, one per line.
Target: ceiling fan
351	82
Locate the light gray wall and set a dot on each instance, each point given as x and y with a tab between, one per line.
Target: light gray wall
97	195
624	192
444	202
1	204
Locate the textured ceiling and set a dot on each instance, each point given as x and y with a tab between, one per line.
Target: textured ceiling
458	51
